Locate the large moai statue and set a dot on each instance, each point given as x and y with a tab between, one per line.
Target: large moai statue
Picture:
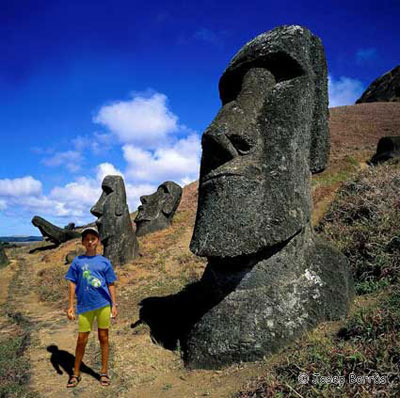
158	209
114	222
268	278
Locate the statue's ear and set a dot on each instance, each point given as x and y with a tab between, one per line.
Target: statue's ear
119	209
169	205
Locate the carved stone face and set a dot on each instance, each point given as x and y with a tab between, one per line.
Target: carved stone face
111	206
254	189
158	208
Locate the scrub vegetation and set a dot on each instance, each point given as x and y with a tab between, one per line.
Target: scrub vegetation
356	207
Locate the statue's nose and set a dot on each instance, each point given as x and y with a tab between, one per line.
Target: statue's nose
218	147
96	210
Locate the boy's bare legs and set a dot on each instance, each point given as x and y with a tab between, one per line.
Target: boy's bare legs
80	351
103	338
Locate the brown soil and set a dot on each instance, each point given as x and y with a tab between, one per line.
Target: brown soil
139	367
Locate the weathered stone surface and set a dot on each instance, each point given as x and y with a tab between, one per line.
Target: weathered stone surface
53	233
70	226
387	148
385	88
3	257
259	150
262	307
268	279
158	209
114	223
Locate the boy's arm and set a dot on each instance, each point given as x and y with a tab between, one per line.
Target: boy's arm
71	295
111	288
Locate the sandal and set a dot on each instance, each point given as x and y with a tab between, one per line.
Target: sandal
105	379
73	381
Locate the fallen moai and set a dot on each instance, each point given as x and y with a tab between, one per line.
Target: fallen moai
114	222
158	209
52	233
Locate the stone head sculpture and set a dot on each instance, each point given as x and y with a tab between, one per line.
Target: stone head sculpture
259	152
158	209
114	222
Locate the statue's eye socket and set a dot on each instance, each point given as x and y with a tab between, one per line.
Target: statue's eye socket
107	189
280	64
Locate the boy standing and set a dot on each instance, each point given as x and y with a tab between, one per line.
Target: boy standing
91	277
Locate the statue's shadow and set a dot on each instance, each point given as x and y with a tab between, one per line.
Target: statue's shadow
171	318
63	362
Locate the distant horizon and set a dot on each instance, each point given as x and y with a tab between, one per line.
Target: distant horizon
89	88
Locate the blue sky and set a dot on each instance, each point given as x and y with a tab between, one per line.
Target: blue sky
90	88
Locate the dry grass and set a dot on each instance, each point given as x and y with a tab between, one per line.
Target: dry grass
166	265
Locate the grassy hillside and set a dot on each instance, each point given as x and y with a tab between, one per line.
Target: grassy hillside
361	222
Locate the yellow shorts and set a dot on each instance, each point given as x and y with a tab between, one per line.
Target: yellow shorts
103	319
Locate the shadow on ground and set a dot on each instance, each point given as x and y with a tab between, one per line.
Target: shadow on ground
63	360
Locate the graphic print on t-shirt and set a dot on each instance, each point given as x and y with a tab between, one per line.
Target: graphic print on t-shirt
91	280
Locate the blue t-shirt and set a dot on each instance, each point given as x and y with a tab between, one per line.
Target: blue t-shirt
91	274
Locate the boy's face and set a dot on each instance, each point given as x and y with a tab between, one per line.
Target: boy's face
90	241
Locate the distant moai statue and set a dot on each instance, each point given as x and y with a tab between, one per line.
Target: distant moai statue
387	148
268	278
158	209
114	222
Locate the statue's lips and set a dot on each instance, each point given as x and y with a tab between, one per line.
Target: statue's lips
212	176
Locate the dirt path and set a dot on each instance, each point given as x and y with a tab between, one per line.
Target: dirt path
139	368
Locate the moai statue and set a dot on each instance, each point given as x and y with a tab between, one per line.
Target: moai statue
269	279
52	233
158	209
387	148
114	222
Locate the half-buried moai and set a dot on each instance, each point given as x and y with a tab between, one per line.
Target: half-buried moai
114	222
157	210
387	148
269	279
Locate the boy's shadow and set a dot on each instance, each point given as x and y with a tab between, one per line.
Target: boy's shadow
61	359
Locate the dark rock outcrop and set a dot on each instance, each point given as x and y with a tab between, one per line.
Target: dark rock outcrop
387	148
268	278
3	257
52	233
385	88
158	209
114	222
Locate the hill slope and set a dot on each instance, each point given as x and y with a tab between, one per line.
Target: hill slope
139	367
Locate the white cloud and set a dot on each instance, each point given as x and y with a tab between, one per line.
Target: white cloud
71	159
344	91
105	169
20	187
179	162
143	120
